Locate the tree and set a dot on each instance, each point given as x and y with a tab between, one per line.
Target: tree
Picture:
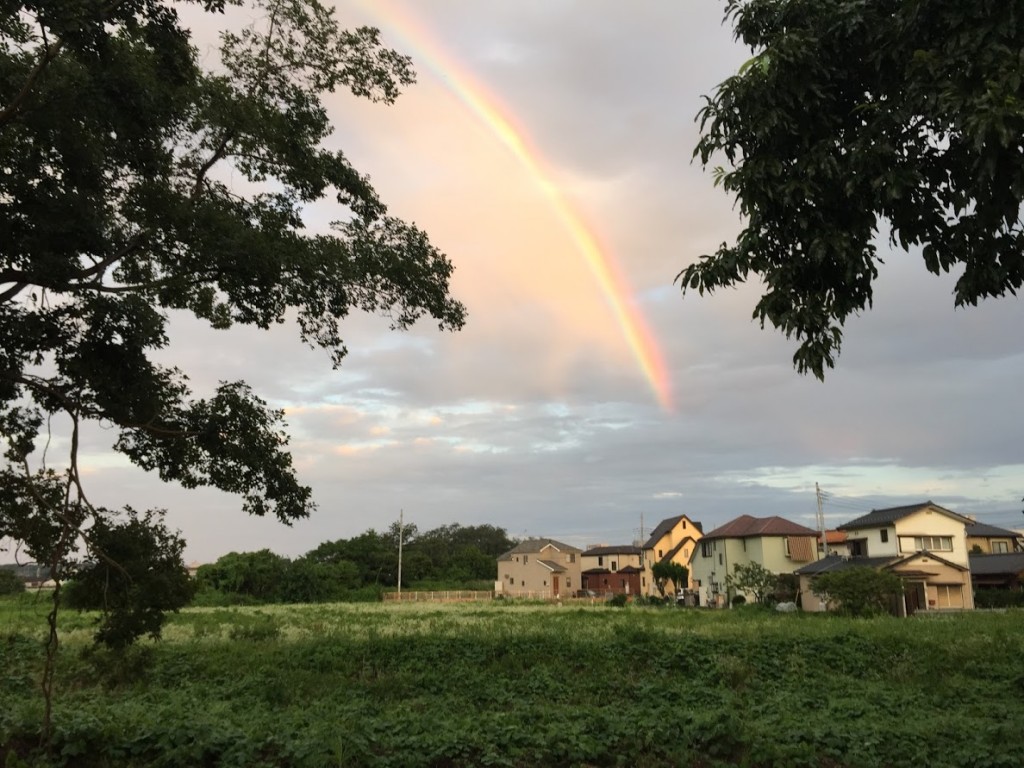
859	591
753	578
665	571
135	183
136	577
855	117
10	582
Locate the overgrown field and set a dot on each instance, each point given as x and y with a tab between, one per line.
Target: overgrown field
522	685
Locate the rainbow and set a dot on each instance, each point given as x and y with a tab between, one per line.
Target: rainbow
487	109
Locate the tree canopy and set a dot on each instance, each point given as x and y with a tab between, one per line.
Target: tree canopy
856	119
136	182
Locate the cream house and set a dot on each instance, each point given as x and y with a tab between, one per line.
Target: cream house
984	539
897	531
777	544
540	568
673	540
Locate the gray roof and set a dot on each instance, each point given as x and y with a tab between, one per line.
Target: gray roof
534	546
552	565
664	527
990	531
987	565
614	549
837	563
877	517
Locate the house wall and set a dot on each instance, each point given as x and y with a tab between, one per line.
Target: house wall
612	562
993	545
873	540
523	573
945	587
680	531
929	523
614	583
726	554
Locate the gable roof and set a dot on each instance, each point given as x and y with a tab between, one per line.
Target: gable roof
535	546
672	552
665	526
552	566
990	531
877	517
614	549
1003	563
748	526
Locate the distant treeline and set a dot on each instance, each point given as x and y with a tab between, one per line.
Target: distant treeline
360	567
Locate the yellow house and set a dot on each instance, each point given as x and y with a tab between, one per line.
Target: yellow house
542	568
673	540
984	539
777	544
937	534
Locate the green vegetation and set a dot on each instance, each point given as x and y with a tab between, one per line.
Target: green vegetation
854	120
859	591
360	568
519	684
665	571
755	579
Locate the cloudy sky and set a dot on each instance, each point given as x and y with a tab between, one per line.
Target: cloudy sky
546	149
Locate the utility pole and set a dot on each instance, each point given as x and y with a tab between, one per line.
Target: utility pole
821	522
401	535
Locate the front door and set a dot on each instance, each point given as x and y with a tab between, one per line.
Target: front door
554	585
913	595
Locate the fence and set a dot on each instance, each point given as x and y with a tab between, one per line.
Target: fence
445	596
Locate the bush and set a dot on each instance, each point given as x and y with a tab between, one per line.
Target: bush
10	584
739	600
859	591
619	601
998	598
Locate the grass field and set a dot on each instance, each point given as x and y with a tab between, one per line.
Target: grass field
506	684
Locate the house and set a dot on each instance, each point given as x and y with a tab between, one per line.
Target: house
615	569
777	544
898	531
997	571
991	540
930	582
673	540
837	544
927	529
540	568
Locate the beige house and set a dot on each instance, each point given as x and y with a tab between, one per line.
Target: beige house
777	544
542	568
673	540
930	582
925	537
617	569
984	539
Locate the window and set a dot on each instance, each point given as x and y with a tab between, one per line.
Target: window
545	582
785	543
522	583
643	581
600	561
686	553
661	554
526	558
568	582
615	566
884	533
572	557
931	543
745	545
1000	547
705	549
719	558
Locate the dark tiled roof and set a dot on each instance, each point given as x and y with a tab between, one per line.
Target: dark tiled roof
987	565
630	569
746	526
878	517
620	549
990	531
595	571
534	546
837	563
665	526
